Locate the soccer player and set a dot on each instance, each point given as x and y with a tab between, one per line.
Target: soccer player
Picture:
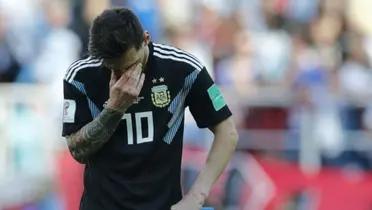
123	118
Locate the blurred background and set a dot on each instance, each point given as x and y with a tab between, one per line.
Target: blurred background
296	74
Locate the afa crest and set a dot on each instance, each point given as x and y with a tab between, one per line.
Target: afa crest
160	96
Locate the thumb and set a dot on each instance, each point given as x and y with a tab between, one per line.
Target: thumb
113	79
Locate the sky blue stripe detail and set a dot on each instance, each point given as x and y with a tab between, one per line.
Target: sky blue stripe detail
177	107
175	102
181	96
169	136
79	86
93	108
94	111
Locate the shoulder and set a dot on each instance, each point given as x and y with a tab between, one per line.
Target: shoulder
80	67
177	56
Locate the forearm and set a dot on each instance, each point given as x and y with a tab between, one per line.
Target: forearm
220	154
94	135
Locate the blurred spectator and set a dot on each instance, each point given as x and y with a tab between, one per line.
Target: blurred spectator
149	15
272	47
355	74
176	13
9	66
237	71
315	61
184	37
23	25
237	76
59	47
84	13
302	11
24	32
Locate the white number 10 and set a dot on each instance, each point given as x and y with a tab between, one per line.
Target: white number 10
138	119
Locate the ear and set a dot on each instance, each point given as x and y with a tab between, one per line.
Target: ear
146	37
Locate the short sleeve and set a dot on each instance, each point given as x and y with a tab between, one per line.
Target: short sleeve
76	112
206	102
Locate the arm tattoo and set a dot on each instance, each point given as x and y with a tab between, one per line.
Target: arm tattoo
93	135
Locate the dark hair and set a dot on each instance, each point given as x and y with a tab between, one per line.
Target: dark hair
114	32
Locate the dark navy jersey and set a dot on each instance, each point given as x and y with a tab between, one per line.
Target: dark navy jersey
139	167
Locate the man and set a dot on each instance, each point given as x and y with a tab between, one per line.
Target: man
123	118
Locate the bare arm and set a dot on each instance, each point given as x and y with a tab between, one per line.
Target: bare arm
225	140
94	135
124	90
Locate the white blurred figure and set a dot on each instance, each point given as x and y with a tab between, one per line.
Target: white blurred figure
59	48
355	75
9	66
23	21
314	115
273	51
272	47
178	12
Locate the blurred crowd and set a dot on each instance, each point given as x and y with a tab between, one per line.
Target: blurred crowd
312	55
247	44
315	54
300	66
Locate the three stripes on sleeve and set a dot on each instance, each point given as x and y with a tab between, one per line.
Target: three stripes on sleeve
81	64
172	53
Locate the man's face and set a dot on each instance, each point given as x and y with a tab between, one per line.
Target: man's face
128	60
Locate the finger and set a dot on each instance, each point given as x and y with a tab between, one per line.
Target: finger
141	81
130	77
134	70
127	76
136	73
122	80
113	78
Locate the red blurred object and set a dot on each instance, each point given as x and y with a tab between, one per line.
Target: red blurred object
266	118
285	183
70	180
273	184
330	189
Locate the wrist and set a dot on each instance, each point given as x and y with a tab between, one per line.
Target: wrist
110	106
198	196
109	119
202	185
